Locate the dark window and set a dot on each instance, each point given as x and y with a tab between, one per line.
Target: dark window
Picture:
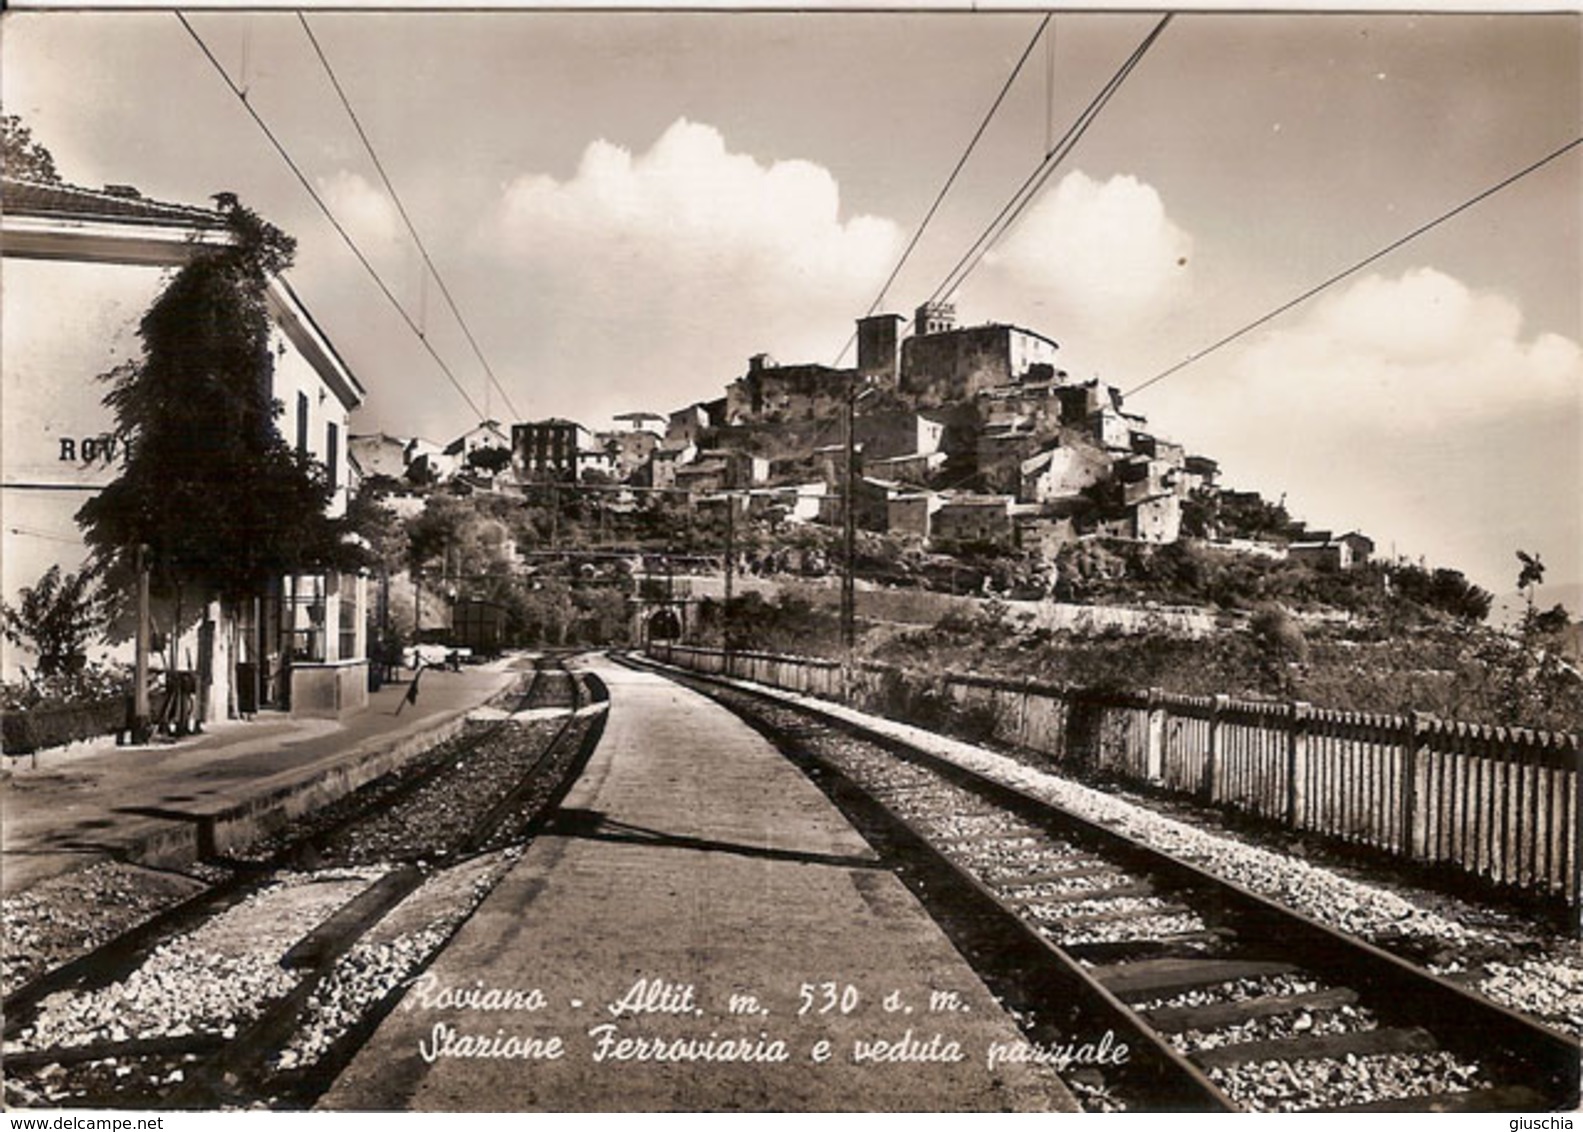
302	424
332	453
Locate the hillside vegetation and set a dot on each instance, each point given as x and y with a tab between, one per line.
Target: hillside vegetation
1380	637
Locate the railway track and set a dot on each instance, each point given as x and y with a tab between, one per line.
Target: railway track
255	992
1226	1000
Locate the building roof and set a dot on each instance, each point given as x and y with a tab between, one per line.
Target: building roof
562	422
997	502
63	222
114	202
491	427
981	327
119	225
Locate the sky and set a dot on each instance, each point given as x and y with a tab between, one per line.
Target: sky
626	206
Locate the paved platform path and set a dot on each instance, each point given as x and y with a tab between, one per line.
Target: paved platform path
88	802
694	863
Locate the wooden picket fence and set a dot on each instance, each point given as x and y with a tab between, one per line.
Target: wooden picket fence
1499	805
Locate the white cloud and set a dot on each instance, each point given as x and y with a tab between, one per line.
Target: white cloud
695	256
1421	351
366	212
1091	256
1412	405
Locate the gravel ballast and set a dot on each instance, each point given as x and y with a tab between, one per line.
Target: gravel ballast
1538	973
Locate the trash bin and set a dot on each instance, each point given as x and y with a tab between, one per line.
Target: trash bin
246	687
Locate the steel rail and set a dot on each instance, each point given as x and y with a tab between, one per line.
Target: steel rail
1459	1020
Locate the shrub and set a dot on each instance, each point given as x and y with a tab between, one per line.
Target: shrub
35	729
85	685
58	617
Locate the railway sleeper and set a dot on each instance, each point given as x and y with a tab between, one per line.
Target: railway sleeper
1321	1047
1116	917
1135	890
1221	1014
1154	978
1497	1098
25	1061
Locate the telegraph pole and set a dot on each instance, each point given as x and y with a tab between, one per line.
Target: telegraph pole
731	554
140	727
849	523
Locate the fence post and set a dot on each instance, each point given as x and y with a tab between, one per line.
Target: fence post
1576	835
1210	789
1154	750
1026	704
1296	761
1415	732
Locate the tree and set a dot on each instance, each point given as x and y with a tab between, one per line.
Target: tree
21	156
492	460
1443	589
1281	644
1532	574
208	484
57	618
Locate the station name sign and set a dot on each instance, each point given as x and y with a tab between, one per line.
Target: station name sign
101	449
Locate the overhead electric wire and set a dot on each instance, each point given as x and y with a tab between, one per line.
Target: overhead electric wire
35	532
1029	189
406	219
951	180
330	216
1359	266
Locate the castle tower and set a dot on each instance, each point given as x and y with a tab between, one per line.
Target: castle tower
878	343
934	318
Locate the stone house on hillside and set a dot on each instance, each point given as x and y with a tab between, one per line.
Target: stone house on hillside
769	392
1061	472
913	512
942	363
1113	428
1343	553
1156	518
379	454
974	519
485	434
662	466
626	450
554	450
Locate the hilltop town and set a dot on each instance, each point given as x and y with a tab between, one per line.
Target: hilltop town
964	441
981	508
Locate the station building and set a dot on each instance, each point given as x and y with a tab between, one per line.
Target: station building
80	268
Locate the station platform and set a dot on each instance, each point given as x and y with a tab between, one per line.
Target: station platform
166	803
701	931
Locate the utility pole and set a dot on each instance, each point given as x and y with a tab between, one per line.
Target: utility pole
140	727
555	515
731	554
417	604
849	522
384	612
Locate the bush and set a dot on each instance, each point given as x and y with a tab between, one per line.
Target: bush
1446	590
57	618
35	729
87	684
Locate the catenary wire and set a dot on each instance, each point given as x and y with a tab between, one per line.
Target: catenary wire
951	180
1358	266
406	219
330	216
1029	189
